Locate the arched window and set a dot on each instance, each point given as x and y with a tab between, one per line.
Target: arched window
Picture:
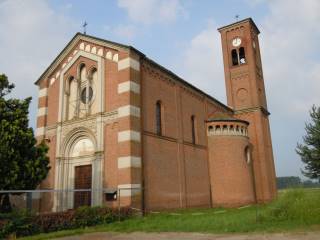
72	98
238	56
247	153
159	118
193	129
242	56
92	73
234	55
82	72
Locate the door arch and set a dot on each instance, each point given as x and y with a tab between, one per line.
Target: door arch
79	156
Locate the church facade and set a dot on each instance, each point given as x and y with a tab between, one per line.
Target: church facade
135	133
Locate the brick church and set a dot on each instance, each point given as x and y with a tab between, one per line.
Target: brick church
134	133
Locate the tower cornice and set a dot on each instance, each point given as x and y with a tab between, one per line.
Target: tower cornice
240	22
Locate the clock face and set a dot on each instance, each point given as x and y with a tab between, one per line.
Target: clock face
236	42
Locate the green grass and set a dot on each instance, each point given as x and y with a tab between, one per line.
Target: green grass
297	209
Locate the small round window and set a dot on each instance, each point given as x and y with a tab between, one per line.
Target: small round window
86	95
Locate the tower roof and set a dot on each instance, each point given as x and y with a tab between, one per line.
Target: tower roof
239	22
224	117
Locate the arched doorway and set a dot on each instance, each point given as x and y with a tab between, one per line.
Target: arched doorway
79	168
82	152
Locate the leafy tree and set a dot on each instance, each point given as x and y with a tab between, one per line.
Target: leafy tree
309	151
23	163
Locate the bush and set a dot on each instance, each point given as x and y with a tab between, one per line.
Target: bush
85	216
24	224
50	222
19	222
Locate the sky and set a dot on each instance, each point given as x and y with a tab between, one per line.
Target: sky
183	37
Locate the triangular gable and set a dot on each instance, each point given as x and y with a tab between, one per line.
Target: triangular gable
74	42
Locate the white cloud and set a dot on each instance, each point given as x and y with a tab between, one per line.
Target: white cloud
68	5
290	47
253	3
290	39
125	31
31	36
202	63
152	11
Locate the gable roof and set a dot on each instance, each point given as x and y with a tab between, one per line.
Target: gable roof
79	36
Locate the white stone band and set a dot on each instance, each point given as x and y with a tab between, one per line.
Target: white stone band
40	131
129	161
129	135
128	62
42	111
127	190
128	86
43	92
128	110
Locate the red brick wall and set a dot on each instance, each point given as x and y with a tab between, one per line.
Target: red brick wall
175	170
259	134
231	176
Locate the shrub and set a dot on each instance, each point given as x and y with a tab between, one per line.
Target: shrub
17	222
85	216
50	222
24	224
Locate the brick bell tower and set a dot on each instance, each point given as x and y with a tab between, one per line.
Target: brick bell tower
246	95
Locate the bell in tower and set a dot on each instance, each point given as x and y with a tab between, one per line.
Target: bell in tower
246	95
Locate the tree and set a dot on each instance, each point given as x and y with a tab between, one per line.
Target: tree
288	182
309	151
23	163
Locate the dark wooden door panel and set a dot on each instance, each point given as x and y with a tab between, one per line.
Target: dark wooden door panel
82	180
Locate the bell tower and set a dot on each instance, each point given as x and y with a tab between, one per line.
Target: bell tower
246	95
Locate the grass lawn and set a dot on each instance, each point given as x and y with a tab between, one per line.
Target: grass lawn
293	210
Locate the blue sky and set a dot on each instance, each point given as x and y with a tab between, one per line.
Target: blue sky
182	36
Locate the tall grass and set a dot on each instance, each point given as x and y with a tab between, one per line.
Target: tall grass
297	205
293	209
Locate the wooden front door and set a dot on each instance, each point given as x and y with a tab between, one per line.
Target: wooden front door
82	180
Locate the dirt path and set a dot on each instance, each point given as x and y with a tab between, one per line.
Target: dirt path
195	236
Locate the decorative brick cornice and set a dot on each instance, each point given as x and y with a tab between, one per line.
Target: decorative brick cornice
253	109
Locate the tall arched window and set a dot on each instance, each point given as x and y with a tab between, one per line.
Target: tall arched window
158	118
247	153
234	56
242	56
83	72
72	98
193	129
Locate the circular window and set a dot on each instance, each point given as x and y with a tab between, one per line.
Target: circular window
86	95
